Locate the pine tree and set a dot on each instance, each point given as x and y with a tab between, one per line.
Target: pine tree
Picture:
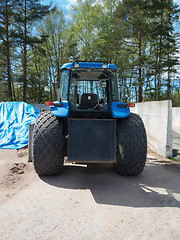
6	13
162	40
27	13
132	19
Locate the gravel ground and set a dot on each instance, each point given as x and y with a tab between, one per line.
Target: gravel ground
88	202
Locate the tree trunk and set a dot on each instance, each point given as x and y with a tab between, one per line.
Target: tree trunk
160	59
169	83
155	85
139	69
13	88
8	54
25	58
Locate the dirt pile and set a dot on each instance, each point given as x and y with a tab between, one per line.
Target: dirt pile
18	168
15	172
13	175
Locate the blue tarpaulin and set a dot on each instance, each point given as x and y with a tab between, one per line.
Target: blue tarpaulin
14	122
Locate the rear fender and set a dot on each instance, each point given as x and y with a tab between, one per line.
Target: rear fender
119	110
60	109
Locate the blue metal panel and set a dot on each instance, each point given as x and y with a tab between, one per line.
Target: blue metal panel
61	111
113	66
67	65
119	110
88	65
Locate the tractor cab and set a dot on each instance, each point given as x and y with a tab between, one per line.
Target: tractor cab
90	89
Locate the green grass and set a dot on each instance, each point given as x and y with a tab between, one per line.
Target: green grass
173	159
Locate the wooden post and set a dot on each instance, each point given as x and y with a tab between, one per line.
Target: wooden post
30	145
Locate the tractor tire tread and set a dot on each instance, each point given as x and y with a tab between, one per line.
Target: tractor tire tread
48	144
132	146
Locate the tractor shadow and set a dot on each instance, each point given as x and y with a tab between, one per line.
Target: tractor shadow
157	186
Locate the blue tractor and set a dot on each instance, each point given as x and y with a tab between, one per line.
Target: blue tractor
89	124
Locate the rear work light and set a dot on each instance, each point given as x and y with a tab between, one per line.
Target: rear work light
76	65
104	65
131	105
48	103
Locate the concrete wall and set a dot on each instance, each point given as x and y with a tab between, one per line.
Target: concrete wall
176	119
157	118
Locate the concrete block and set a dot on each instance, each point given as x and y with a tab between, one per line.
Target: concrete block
176	119
157	118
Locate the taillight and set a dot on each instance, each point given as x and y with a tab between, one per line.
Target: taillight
131	105
48	103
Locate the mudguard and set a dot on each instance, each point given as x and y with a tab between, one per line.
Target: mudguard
119	110
60	109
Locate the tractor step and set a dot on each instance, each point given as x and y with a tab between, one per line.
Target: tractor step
92	140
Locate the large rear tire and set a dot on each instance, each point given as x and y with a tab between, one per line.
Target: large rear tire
48	145
131	146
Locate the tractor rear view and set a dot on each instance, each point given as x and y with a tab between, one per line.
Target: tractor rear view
89	124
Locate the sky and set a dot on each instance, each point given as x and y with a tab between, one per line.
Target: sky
65	5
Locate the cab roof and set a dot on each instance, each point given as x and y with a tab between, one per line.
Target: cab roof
86	64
